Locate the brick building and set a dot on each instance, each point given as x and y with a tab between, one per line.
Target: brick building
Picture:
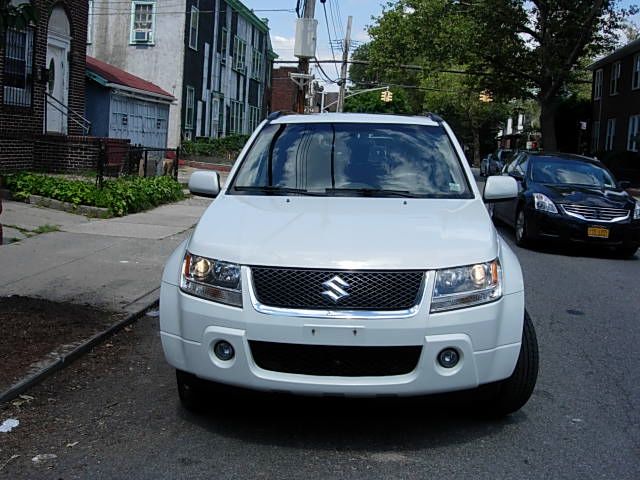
42	96
616	102
283	90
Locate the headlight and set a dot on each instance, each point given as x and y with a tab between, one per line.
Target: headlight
466	286
211	279
636	211
542	202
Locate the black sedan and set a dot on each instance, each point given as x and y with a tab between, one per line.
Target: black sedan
570	198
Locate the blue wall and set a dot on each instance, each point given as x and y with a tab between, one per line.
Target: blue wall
97	108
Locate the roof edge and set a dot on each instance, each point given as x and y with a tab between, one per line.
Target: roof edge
242	8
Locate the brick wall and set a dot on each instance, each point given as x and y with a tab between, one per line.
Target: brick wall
21	126
55	153
283	90
15	155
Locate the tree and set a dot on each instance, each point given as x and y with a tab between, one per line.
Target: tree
457	98
370	102
517	47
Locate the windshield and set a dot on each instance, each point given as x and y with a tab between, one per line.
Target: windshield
560	171
352	159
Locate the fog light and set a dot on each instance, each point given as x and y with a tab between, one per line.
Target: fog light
223	350
449	357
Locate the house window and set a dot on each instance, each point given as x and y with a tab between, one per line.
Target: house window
189	110
256	70
223	47
236	119
633	140
597	89
636	72
611	134
254	118
193	28
239	54
143	19
614	85
18	67
90	23
595	140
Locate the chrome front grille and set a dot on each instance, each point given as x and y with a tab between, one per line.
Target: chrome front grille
306	289
596	214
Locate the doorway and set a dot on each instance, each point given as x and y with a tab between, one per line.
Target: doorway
58	48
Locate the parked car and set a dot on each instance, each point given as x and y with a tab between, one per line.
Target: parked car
570	198
349	254
494	163
484	165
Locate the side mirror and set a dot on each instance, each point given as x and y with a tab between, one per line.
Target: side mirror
204	183
499	188
624	184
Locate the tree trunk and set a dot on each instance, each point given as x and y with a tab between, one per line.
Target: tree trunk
548	124
476	147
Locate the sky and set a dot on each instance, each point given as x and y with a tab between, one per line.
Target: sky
283	26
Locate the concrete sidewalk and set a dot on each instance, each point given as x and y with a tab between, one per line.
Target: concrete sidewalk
114	264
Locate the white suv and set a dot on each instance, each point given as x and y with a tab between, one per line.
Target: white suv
349	254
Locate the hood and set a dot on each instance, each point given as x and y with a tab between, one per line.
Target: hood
584	195
345	232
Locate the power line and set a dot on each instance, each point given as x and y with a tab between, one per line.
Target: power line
333	53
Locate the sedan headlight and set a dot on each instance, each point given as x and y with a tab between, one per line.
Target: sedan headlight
211	279
636	211
542	202
467	286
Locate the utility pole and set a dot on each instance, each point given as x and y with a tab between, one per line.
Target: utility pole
345	59
303	62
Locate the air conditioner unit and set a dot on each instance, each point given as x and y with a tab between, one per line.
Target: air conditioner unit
142	36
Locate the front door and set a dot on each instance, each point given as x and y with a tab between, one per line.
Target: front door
57	87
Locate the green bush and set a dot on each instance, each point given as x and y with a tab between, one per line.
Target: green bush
121	196
215	146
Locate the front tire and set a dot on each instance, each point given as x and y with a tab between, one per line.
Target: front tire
511	394
191	391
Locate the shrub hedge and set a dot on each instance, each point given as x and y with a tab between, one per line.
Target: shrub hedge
215	146
121	196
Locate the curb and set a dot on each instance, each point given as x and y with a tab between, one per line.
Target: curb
65	360
97	212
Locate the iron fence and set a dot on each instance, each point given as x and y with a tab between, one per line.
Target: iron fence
117	159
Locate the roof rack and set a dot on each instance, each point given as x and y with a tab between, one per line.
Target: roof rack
277	114
434	117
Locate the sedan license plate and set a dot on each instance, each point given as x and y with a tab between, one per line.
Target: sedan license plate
598	232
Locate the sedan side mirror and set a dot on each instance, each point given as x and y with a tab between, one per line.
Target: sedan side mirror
624	184
204	183
498	188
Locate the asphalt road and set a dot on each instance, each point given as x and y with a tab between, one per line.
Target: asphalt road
120	405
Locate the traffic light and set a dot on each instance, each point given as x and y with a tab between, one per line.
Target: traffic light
386	96
485	96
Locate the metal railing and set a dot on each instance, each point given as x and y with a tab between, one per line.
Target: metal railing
71	114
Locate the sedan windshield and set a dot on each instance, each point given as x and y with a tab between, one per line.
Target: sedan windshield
554	170
352	159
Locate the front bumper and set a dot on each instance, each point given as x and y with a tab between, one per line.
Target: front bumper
487	337
564	228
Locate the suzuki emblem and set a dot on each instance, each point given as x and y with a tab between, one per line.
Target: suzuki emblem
335	289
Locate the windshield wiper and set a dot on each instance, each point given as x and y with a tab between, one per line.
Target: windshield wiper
373	192
274	190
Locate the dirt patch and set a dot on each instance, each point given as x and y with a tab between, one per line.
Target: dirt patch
36	331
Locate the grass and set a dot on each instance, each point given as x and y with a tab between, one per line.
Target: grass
46	228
